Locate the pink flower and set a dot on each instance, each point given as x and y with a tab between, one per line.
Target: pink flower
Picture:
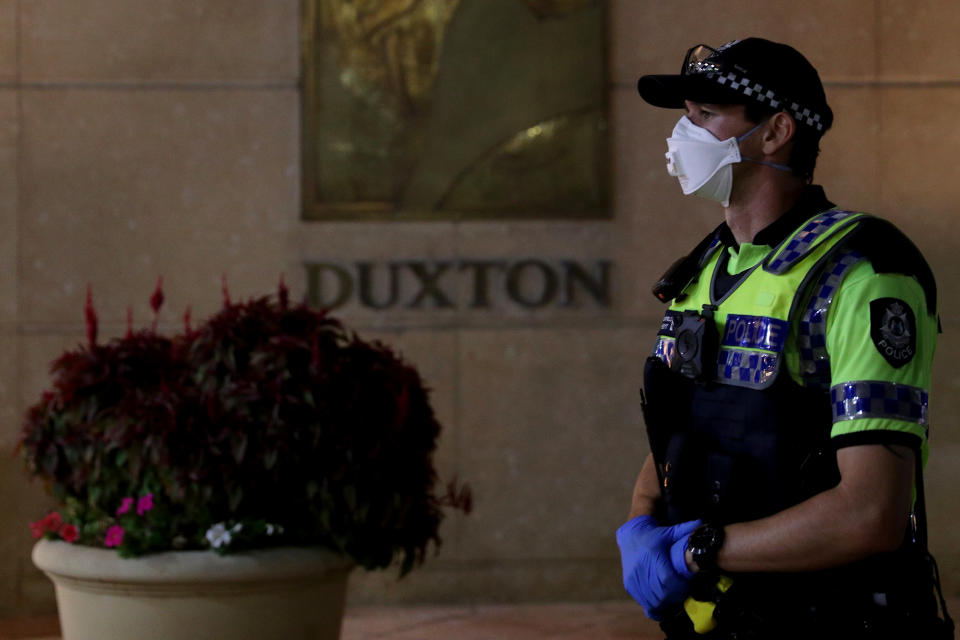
114	536
125	506
144	504
69	532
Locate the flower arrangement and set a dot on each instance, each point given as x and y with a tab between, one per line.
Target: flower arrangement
269	424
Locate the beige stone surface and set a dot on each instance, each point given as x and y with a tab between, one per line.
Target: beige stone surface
849	164
918	40
215	41
10	383
942	475
122	187
551	421
8	40
651	36
920	181
9	222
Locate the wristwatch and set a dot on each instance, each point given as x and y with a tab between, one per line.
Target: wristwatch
704	545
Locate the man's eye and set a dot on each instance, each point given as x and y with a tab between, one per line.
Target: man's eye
705	114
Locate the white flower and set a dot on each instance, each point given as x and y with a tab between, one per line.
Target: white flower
218	536
237	528
270	529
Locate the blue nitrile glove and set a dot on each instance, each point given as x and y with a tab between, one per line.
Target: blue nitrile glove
646	552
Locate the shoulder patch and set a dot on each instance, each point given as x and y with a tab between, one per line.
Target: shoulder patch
894	330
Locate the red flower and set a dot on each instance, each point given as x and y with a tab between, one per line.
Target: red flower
69	532
37	529
52	522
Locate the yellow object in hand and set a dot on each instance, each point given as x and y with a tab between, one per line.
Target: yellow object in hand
701	613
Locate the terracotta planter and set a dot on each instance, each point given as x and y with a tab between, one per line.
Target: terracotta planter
277	593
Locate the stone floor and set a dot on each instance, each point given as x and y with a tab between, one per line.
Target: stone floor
599	621
604	621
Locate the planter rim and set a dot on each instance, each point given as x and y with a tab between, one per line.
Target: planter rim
57	558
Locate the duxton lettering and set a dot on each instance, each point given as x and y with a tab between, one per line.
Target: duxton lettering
328	285
365	275
598	287
480	290
539	292
530	283
428	276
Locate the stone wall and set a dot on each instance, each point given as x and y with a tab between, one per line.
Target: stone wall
141	138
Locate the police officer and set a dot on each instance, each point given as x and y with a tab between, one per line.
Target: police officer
786	394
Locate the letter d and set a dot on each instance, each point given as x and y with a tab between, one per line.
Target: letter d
320	277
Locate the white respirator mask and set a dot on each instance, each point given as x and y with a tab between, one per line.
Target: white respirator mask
703	164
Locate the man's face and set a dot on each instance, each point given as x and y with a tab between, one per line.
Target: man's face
722	120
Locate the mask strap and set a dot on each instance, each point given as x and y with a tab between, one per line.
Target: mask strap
781	167
750	133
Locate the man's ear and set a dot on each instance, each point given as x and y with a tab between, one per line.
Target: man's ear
779	133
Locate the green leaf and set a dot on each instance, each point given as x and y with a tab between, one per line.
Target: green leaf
238	446
270	459
236	495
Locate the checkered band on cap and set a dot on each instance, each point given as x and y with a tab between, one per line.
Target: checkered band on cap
876	399
759	93
812	330
804	240
750	369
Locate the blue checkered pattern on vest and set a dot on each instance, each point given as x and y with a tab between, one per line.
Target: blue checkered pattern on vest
812	330
803	241
743	368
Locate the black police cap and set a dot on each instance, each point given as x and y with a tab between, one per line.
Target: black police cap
743	71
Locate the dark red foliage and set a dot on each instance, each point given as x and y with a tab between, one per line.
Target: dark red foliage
90	315
265	411
283	294
156	300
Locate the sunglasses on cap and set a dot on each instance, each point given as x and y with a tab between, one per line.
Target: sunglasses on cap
697	60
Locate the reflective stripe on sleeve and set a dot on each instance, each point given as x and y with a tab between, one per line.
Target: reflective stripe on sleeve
874	399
